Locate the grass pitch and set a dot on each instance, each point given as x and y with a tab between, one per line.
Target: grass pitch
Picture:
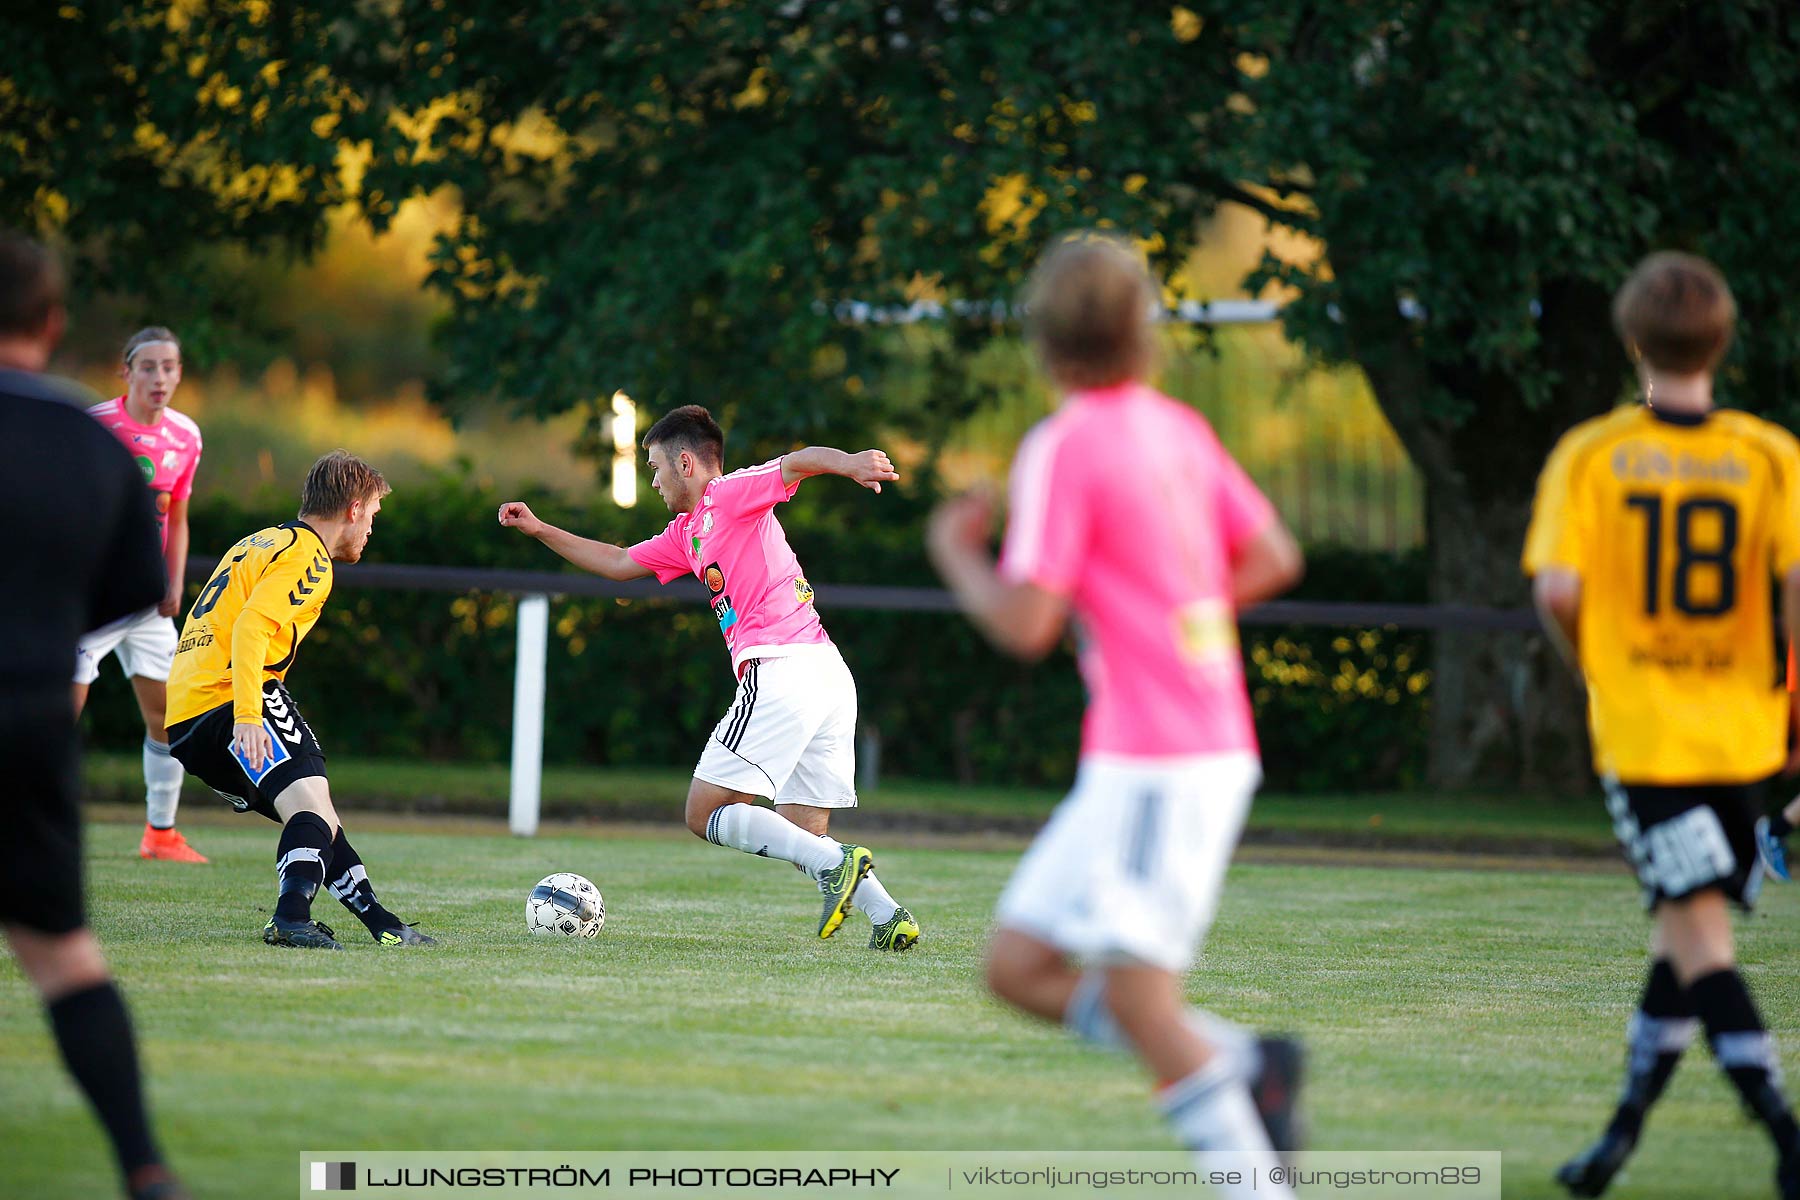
1444	1009
1470	821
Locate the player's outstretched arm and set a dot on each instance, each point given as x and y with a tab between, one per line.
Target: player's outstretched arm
1021	619
598	558
871	468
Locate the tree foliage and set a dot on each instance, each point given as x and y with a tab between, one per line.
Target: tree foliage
1481	179
681	198
141	133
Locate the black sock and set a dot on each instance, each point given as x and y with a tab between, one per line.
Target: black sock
1660	1030
349	882
300	861
93	1031
1780	827
1745	1052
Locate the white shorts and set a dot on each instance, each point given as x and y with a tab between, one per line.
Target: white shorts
791	732
144	642
1131	864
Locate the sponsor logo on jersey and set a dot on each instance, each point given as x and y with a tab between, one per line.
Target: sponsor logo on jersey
193	642
163	500
1644	462
722	609
715	578
147	465
1206	633
802	590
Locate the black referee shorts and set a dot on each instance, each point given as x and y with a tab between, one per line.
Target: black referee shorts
202	744
40	854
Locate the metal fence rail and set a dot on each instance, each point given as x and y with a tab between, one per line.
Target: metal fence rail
1331	613
534	589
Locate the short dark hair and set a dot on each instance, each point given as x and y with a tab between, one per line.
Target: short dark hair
1089	310
1675	311
148	334
337	481
690	428
31	284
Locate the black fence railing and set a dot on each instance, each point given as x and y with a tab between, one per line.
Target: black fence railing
397	577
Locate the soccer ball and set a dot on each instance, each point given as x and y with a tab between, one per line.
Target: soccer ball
565	904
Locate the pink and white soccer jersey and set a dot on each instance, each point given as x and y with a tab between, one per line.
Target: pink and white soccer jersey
733	544
167	452
790	733
1126	504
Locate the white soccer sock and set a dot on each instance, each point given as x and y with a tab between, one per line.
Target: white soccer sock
873	899
1088	1017
767	834
162	784
1211	1112
1234	1045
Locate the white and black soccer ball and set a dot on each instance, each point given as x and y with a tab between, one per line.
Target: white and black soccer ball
565	904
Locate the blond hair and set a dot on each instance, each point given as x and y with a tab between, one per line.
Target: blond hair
337	481
1090	312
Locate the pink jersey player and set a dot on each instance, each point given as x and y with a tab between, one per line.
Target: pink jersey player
732	543
1125	503
790	734
166	447
168	452
1129	519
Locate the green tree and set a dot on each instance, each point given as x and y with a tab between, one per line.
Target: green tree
144	134
677	198
1501	168
707	181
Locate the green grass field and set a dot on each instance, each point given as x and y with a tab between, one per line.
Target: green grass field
1400	819
1444	1009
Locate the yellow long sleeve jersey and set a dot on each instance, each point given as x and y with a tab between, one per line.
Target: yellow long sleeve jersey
248	622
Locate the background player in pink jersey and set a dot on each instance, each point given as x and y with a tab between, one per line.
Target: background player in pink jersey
790	734
166	446
1128	514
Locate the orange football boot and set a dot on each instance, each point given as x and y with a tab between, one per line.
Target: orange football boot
168	844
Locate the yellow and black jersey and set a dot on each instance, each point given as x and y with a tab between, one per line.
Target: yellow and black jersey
1678	526
247	624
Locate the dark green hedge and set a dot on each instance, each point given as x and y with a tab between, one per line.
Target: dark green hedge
413	674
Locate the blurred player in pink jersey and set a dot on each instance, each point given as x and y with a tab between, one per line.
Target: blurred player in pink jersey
166	446
790	734
1128	515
